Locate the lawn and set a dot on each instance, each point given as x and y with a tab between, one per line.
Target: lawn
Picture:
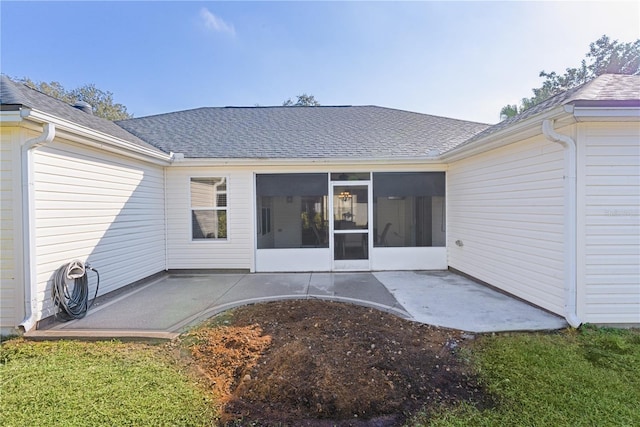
69	383
586	377
589	377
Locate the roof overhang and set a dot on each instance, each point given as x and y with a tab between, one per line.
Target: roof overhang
10	116
528	128
563	115
293	162
33	118
607	111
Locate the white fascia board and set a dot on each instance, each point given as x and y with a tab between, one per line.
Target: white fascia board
607	114
510	134
10	117
82	134
111	148
217	162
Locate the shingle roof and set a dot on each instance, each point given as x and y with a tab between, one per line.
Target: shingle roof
313	132
18	94
302	132
607	89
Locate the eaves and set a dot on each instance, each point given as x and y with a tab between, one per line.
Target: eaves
293	162
28	117
562	115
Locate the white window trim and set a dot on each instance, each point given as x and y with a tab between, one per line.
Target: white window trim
225	179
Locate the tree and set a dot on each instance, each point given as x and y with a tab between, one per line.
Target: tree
604	57
508	111
304	100
101	102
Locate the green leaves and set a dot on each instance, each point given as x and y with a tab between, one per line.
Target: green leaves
604	57
101	101
304	100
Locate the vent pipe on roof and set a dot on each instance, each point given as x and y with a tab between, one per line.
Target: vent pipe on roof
176	157
84	106
570	221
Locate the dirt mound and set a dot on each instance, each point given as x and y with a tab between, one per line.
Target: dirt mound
324	363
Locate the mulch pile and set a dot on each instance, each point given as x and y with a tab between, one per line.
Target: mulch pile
320	363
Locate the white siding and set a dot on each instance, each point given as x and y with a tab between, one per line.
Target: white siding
100	208
506	208
236	252
609	231
11	305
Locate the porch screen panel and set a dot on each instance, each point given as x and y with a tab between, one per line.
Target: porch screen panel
292	184
409	209
292	211
411	184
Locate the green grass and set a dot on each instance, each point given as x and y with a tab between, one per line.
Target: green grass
68	383
589	377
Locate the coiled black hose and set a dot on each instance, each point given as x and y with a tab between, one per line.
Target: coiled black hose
74	304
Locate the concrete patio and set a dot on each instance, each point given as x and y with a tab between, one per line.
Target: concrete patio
171	304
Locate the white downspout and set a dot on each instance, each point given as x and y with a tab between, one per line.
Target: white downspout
570	221
28	226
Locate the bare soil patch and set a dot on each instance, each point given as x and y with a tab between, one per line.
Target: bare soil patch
318	363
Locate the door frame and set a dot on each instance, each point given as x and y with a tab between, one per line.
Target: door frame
355	264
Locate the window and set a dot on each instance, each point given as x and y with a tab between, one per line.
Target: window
208	208
409	209
350	176
292	211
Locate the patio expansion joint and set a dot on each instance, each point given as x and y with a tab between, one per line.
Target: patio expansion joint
306	291
214	310
222	295
211	310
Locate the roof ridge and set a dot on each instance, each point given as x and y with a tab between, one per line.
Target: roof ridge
589	89
15	93
291	107
230	107
593	90
9	88
16	85
164	114
604	85
421	114
288	106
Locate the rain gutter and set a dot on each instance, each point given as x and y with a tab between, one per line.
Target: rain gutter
433	161
570	220
93	138
28	224
511	133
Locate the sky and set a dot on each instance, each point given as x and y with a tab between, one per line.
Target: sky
464	60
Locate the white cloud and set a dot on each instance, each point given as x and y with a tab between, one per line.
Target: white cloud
215	23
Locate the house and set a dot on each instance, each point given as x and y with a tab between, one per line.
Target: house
544	206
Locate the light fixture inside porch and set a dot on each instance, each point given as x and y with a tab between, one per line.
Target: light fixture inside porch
345	195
